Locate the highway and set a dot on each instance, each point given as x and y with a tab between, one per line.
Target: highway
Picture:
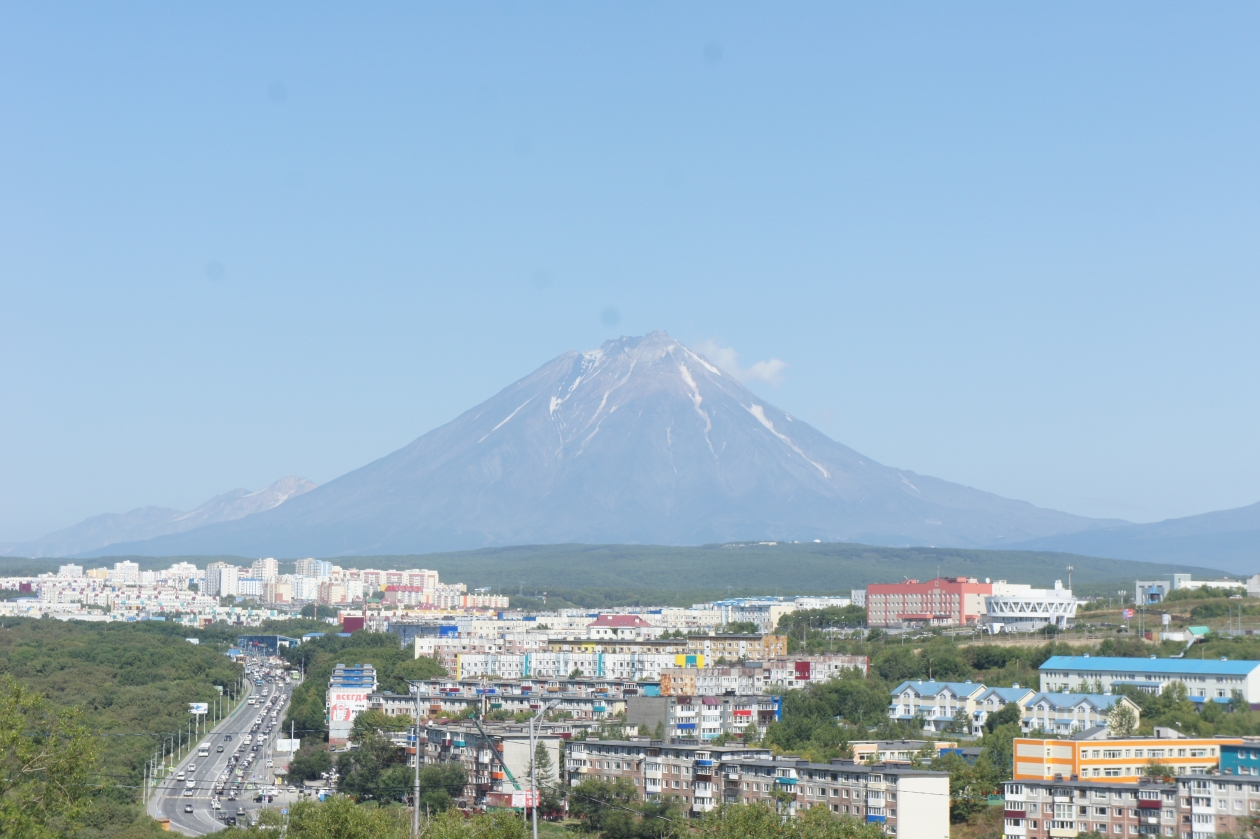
228	756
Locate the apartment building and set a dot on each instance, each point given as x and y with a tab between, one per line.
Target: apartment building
1041	809
1069	713
737	647
1117	760
993	700
463	743
908	802
945	601
685	772
1206	680
1211	806
703	717
937	702
895	751
347	697
799	671
1241	758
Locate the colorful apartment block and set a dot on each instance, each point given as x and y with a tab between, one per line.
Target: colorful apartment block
1069	713
1115	761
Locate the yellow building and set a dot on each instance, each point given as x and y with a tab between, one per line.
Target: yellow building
1115	760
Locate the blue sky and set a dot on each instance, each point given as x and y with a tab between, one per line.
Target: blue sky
1010	245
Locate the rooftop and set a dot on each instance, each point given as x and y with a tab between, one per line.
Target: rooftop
1165	666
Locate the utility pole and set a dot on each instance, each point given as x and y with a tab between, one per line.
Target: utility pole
415	800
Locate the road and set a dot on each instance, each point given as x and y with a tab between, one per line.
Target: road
169	801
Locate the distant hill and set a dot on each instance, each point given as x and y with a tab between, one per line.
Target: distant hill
1228	539
593	575
640	441
100	532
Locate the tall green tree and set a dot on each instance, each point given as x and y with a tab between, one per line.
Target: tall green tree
47	757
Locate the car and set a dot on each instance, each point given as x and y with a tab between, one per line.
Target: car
190	783
192	767
227	738
219	750
187	793
240	811
188	808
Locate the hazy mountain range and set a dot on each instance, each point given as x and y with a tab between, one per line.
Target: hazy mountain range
147	522
641	441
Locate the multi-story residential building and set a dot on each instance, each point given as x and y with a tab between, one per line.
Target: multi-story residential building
703	717
316	568
905	802
488	772
630	627
1069	713
709	681
348	691
70	571
945	601
1241	758
938	703
799	671
1212	805
253	587
1115	760
125	573
688	773
1206	680
994	700
737	647
221	579
1048	809
895	751
265	569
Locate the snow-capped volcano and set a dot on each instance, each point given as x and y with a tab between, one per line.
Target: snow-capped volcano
639	441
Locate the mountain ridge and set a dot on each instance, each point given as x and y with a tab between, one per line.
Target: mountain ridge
142	523
641	441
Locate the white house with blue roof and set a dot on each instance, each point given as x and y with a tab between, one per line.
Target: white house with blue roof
1206	680
937	702
994	700
1068	713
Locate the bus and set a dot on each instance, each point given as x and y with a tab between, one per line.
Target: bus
203	750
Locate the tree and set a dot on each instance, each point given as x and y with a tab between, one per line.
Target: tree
309	762
1121	721
762	821
961	723
318	611
363	770
576	673
658	733
1011	712
592	801
46	758
752	734
549	799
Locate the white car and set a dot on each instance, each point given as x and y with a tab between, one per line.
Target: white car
190	783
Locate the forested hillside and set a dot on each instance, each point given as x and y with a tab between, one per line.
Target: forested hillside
131	683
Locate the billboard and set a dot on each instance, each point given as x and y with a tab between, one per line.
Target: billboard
198	708
344	704
283	745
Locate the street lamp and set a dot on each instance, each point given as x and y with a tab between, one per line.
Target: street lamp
533	764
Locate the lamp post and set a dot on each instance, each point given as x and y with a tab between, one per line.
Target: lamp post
415	800
533	767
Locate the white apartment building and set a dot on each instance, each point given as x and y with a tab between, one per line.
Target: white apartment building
265	569
221	579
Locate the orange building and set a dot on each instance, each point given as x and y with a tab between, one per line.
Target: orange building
1115	760
945	601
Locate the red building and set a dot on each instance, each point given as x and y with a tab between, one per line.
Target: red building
945	601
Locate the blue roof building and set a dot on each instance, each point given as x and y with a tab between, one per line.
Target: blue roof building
1206	680
1068	713
994	700
937	702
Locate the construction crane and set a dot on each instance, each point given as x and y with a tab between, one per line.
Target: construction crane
497	754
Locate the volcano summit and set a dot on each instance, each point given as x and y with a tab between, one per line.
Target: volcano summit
639	441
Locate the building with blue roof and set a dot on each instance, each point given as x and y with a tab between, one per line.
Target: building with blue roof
994	700
937	702
1069	713
1206	680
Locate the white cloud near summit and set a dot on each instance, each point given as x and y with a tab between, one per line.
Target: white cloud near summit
770	372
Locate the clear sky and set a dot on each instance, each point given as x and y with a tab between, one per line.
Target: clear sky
1010	245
